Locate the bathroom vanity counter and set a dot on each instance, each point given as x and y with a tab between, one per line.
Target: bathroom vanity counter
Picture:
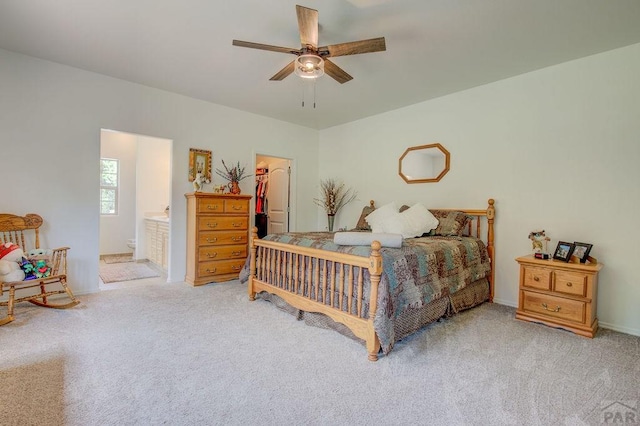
163	219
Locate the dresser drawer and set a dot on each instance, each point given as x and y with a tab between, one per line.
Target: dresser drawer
220	267
556	307
570	283
539	278
221	238
222	252
210	205
236	206
214	223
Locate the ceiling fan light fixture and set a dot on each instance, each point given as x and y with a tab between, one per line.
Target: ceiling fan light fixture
309	66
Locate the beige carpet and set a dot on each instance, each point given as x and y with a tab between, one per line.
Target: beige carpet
158	353
117	258
116	272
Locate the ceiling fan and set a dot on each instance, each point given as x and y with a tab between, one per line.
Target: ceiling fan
313	61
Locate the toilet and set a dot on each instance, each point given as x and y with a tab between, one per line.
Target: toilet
131	243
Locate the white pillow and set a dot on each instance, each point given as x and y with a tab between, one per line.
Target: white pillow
379	216
418	220
395	224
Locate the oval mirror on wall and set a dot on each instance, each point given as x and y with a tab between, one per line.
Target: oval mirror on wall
425	163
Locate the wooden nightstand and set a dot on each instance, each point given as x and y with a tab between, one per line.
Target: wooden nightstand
559	294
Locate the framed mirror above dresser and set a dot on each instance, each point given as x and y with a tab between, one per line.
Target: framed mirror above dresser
423	164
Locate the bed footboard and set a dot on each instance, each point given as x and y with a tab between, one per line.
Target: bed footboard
320	281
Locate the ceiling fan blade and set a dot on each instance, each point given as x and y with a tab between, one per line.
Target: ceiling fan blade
335	72
308	26
284	72
354	47
269	47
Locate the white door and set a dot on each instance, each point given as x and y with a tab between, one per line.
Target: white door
278	197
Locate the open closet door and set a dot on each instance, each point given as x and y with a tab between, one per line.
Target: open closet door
278	204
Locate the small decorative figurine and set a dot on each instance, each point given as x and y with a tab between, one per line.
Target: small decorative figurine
197	182
539	241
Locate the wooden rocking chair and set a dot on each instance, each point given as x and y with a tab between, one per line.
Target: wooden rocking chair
16	230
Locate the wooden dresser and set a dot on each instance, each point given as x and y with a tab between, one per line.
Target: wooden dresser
217	236
559	294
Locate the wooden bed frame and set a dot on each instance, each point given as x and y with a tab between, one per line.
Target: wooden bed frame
266	274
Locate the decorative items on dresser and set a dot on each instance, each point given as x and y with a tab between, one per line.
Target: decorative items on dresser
217	236
559	294
234	175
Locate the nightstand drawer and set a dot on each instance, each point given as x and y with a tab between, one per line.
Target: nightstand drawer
570	283
539	278
556	307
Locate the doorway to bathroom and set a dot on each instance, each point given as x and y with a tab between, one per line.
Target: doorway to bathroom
135	211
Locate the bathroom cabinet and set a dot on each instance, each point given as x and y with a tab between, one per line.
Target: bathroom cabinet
157	242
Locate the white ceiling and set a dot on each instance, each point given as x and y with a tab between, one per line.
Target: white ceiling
434	47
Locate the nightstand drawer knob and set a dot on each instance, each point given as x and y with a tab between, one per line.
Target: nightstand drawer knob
544	306
212	271
209	240
569	284
210	255
536	278
210	207
212	225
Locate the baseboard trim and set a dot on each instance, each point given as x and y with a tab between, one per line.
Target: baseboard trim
621	329
505	302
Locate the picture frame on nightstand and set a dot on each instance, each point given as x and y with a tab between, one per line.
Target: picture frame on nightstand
581	251
564	250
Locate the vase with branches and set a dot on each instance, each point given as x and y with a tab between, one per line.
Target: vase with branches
234	175
334	196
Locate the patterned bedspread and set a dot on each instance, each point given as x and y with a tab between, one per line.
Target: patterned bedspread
422	270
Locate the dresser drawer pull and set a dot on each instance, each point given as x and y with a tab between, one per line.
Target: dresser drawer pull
236	238
212	271
557	309
237	225
212	255
569	284
237	207
209	240
235	268
212	225
536	278
235	253
212	207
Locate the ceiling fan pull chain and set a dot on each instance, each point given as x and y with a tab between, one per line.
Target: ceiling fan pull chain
303	96
314	93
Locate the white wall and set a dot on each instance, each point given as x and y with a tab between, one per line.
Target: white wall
558	149
116	229
154	184
50	121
